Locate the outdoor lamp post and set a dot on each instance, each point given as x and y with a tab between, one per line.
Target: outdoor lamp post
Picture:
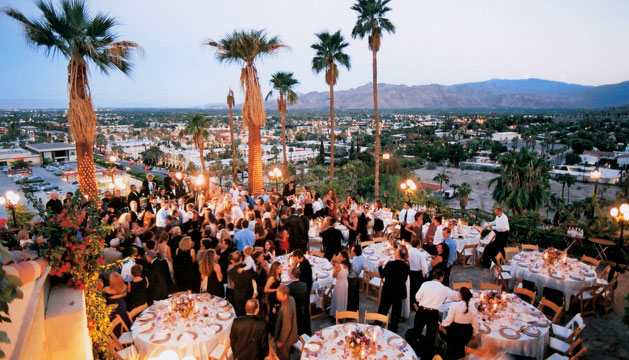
386	156
408	187
10	200
276	174
596	176
620	214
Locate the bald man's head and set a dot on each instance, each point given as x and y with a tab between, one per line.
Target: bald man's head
252	307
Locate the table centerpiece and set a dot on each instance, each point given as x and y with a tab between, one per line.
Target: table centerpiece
359	344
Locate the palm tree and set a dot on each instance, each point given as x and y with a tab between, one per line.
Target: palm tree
329	53
244	48
283	83
523	182
372	23
80	37
570	180
196	126
230	104
463	193
442	178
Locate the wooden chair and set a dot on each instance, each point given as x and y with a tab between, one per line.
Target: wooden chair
135	312
369	316
564	332
484	242
364	244
500	260
557	356
327	294
374	281
346	315
128	353
379	239
126	337
590	260
315	245
511	251
548	307
606	294
469	252
525	294
605	273
220	352
178	293
490	286
317	253
459	285
587	296
501	277
530	247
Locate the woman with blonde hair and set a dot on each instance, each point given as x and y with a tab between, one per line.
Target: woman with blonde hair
115	293
211	275
186	273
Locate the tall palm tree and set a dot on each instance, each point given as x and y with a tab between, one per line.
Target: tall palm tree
329	55
283	83
372	23
80	37
244	48
570	180
196	126
230	104
463	193
442	178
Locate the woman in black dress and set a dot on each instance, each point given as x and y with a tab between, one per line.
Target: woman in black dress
138	288
270	290
211	275
441	259
184	266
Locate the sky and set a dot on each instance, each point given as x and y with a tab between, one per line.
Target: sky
444	42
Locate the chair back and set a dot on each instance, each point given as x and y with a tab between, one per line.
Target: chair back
574	345
317	253
580	353
490	286
489	237
555	309
135	312
178	293
530	247
575	333
590	260
459	285
379	239
575	322
525	293
500	260
369	316
315	245
364	244
605	273
511	251
346	315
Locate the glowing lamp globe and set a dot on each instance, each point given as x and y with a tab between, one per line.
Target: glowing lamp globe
178	175
595	174
411	184
624	209
277	172
386	156
613	212
403	186
200	180
112	158
271	173
3	200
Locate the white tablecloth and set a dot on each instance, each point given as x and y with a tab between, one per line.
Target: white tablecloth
462	235
329	343
321	274
313	231
568	276
163	322
372	254
517	314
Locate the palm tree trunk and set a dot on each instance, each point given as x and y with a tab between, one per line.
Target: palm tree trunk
283	114
255	173
376	122
203	169
563	186
231	135
87	174
331	132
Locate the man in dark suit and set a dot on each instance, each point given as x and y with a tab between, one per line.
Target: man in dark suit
299	292
153	207
331	240
241	279
134	195
298	233
158	276
304	267
169	180
286	323
54	205
149	185
395	274
249	335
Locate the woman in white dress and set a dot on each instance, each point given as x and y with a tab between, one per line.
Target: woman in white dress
339	293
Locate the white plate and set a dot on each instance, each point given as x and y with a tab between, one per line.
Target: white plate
372	257
313	347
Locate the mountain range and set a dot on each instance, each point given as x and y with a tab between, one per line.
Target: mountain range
495	93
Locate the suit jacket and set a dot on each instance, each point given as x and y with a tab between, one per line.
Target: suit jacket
331	239
306	274
286	324
394	274
145	185
299	291
160	283
249	338
298	233
133	196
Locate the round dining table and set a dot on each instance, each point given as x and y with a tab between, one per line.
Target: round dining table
160	328
329	343
517	328
462	235
568	275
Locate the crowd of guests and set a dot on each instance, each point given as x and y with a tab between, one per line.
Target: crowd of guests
172	238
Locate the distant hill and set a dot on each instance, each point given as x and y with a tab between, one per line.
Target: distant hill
495	93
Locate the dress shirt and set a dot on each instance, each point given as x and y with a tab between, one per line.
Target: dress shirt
317	205
244	237
432	294
417	260
356	268
438	239
501	223
457	314
125	271
160	218
234	195
407	215
452	250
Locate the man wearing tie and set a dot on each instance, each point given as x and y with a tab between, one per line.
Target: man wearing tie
150	185
406	215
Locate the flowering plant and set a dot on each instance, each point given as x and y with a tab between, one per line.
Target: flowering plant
74	251
552	255
490	302
183	304
358	342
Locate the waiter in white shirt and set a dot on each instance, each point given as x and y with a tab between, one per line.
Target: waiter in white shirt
406	216
429	298
417	261
500	225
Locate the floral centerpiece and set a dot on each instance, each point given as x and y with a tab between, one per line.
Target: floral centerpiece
490	302
551	256
183	304
359	344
